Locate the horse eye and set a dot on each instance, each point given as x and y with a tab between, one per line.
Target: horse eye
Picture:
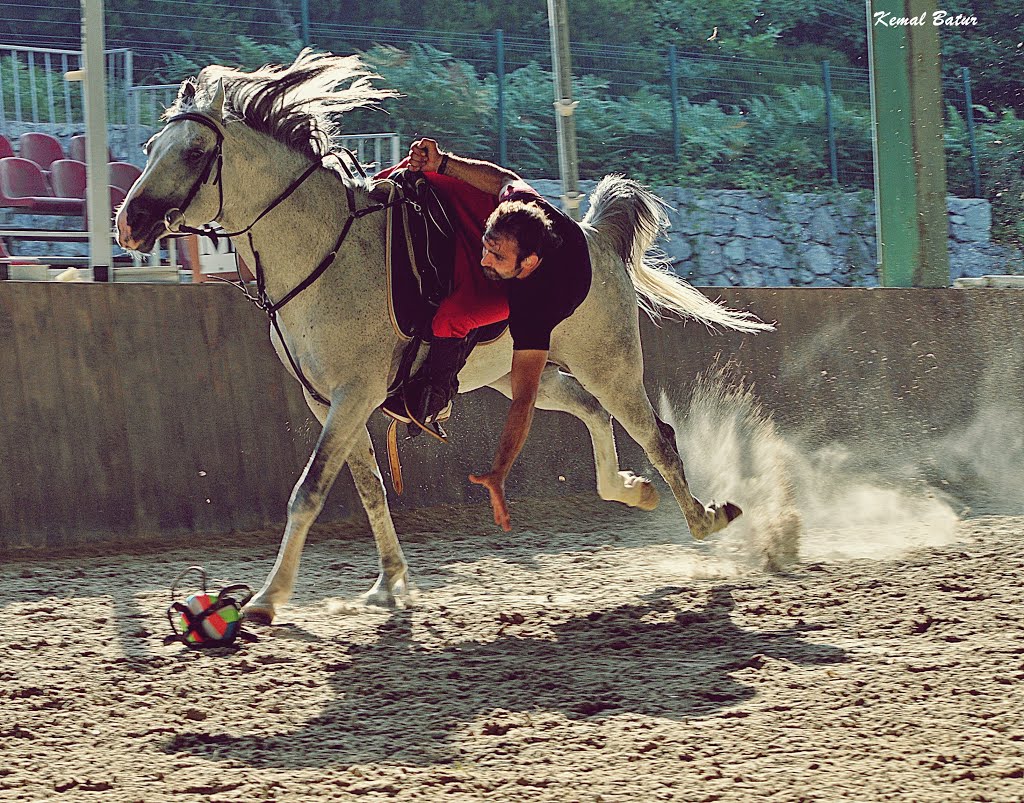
194	154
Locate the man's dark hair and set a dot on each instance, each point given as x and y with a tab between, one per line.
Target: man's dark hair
525	223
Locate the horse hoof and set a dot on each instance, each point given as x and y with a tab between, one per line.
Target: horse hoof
258	614
720	517
636	492
399	594
732	512
649	497
375	598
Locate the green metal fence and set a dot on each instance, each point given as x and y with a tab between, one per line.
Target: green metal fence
670	115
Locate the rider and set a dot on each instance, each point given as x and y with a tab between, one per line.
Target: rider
539	256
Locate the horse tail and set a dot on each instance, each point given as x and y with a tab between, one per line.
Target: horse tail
631	218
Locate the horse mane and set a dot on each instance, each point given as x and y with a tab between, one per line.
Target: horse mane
296	104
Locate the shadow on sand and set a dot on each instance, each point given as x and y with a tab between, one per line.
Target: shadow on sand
398	701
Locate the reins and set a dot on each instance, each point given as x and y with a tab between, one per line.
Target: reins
261	298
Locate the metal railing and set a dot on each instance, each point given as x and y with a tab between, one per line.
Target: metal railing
385	149
33	88
680	115
146	105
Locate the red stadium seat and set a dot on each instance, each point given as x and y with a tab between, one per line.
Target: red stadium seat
76	150
23	187
124	175
67	177
117	196
41	148
5	147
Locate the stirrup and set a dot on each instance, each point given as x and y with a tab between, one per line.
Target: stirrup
432	427
395	407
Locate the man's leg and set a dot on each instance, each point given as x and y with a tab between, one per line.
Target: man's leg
432	389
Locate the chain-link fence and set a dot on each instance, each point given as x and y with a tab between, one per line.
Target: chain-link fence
664	116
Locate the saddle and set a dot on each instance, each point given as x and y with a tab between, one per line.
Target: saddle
421	249
420	252
420	257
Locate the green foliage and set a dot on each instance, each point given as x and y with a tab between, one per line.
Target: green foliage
992	50
1000	143
441	97
789	139
608	128
746	118
243	52
18	79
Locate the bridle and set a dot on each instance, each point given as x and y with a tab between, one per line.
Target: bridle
175	224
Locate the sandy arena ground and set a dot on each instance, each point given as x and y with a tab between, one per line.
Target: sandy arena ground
597	656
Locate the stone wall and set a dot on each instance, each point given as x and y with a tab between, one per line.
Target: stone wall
744	239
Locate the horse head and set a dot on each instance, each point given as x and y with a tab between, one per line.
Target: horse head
181	182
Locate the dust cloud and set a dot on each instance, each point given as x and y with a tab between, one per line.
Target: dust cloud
800	501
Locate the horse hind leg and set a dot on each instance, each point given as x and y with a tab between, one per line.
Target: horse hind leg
624	396
563	392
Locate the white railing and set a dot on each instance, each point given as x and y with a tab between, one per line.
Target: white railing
33	89
374	151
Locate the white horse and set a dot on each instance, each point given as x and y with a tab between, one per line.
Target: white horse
250	152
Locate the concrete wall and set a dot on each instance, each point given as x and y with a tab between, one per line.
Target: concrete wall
145	412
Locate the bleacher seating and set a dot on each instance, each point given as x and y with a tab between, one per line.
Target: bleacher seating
40	148
76	149
123	175
5	147
22	186
67	178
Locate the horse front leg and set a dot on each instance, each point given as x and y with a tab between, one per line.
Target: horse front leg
392	587
342	426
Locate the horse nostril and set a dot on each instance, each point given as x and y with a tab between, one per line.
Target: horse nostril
141	213
133	214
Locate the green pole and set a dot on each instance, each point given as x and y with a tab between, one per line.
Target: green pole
910	167
499	46
673	85
826	76
305	23
972	140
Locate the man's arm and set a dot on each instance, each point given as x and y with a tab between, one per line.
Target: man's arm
425	155
527	367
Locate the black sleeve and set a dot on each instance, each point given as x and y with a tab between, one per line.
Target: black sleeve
531	333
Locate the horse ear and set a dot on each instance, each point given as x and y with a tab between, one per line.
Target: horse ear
187	92
217	103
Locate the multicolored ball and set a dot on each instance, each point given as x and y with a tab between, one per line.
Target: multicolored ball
220	626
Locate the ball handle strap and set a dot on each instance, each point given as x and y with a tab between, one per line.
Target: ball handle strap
193	621
225	596
202	574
